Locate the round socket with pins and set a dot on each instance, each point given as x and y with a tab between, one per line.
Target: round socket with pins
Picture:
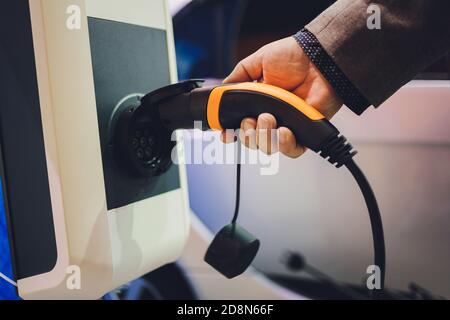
142	145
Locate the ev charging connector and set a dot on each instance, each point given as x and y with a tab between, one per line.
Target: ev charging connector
222	107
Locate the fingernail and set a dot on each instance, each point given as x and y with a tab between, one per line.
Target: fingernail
262	123
247	125
281	138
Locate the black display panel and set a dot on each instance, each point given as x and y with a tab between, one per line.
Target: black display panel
127	59
24	166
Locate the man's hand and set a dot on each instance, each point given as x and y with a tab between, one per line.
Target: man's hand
283	64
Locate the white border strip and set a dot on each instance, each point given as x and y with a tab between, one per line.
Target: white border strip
2	276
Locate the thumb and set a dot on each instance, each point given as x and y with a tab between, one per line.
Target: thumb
249	69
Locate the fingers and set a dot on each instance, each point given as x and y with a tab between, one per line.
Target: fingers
288	144
266	133
228	136
249	69
261	134
247	134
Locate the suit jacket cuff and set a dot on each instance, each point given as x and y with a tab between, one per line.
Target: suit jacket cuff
343	87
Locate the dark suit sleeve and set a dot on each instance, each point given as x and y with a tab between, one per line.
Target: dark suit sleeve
413	34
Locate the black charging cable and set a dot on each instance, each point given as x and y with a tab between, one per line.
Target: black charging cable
238	183
375	218
340	153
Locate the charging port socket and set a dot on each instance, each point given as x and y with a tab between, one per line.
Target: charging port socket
141	145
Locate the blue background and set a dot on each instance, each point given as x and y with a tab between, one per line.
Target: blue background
7	291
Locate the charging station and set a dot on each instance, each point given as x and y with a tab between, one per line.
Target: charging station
74	208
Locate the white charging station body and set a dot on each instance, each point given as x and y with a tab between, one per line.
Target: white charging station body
107	247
